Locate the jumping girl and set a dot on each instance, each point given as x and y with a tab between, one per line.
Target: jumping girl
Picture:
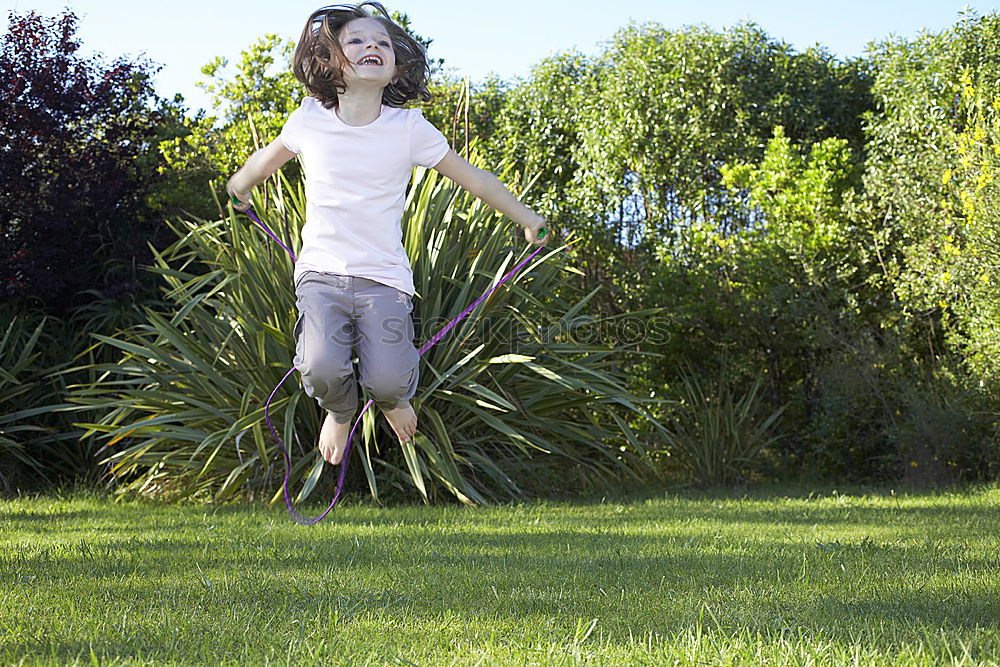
358	146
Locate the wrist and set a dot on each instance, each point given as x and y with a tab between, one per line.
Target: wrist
237	187
535	223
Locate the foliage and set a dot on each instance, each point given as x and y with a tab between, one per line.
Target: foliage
627	145
928	181
464	111
944	433
77	157
17	355
251	106
537	127
968	281
679	103
508	402
928	163
787	294
716	431
672	106
38	444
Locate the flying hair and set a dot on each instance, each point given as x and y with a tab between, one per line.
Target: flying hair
319	60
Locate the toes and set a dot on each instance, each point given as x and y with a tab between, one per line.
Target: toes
331	455
403	425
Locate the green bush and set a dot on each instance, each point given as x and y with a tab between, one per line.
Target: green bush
716	429
499	417
944	433
38	442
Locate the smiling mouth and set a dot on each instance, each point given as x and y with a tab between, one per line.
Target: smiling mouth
370	60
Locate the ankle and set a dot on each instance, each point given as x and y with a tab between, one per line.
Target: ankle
340	417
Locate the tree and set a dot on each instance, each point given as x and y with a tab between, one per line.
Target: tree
674	105
538	127
929	178
77	159
250	108
628	145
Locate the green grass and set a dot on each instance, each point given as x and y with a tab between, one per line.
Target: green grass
777	577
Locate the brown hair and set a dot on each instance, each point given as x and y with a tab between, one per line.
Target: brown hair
319	60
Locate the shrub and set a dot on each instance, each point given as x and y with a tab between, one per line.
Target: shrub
717	430
503	409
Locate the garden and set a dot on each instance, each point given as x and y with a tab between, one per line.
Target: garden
742	409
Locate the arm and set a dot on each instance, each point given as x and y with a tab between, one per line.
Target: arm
488	187
258	167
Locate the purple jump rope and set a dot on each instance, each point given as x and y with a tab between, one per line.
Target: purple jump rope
306	521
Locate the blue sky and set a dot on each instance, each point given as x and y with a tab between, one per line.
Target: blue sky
476	38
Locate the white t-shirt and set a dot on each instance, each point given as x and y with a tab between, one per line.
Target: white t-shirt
355	185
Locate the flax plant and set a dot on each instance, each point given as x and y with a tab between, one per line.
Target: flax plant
17	356
32	439
509	403
716	430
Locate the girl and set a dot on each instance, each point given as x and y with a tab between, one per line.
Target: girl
358	147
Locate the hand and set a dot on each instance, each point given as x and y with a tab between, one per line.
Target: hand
243	197
538	233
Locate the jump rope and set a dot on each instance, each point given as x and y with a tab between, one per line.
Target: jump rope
308	521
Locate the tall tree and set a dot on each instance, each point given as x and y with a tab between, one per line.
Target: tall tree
77	158
931	178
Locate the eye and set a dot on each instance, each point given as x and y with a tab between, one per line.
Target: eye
385	43
354	40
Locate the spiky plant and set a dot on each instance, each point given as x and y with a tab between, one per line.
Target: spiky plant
504	409
35	439
716	429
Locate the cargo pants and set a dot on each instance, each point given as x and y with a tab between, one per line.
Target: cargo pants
338	314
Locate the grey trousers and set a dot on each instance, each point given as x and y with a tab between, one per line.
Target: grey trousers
338	313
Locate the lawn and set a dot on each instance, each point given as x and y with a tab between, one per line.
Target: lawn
774	576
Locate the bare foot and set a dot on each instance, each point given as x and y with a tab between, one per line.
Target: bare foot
403	420
333	439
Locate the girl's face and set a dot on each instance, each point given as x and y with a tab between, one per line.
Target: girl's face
370	58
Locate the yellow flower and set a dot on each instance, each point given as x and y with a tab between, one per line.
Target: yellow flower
946	176
968	90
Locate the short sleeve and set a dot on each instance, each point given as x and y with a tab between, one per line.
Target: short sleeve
291	132
427	145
